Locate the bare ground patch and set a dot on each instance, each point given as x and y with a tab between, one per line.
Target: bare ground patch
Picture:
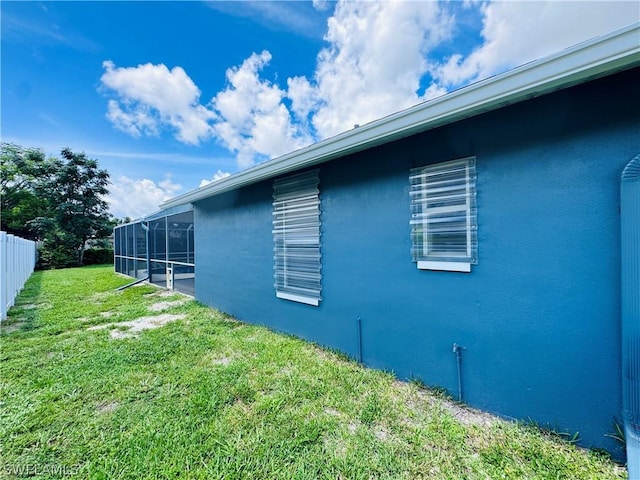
106	407
138	325
107	314
222	361
102	295
160	306
14	326
164	293
33	306
419	401
28	306
381	433
469	416
218	358
464	414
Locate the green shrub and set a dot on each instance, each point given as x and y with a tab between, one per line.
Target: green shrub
55	256
98	256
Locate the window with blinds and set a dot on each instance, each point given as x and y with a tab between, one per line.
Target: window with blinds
296	238
443	215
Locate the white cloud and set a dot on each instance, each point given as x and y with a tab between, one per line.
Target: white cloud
135	198
135	122
216	176
252	120
518	32
321	5
375	60
304	98
149	96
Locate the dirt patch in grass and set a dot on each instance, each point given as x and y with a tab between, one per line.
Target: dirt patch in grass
33	306
464	414
102	295
163	293
381	433
12	327
160	306
106	314
332	412
222	361
119	334
469	416
138	325
218	358
106	407
28	306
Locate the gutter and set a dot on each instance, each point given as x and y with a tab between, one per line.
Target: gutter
601	56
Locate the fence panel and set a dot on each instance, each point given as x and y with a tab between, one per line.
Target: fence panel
17	261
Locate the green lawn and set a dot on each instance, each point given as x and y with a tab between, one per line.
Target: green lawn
205	396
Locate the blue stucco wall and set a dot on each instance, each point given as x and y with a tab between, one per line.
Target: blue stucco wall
539	316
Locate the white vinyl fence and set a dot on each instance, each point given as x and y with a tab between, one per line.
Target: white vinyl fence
17	261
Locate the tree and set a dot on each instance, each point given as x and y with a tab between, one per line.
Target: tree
20	170
122	221
60	202
74	189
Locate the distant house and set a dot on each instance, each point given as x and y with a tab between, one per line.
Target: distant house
472	241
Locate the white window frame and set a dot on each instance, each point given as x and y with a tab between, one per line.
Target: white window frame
429	255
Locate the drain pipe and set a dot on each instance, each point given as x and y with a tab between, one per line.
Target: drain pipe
630	270
359	340
457	349
140	280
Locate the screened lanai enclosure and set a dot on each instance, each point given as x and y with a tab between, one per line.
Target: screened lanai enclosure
158	248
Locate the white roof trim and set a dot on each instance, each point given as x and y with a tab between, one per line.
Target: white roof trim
595	58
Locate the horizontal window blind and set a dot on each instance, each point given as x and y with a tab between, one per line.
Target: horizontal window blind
443	212
296	237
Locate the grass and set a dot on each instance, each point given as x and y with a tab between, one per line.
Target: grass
207	397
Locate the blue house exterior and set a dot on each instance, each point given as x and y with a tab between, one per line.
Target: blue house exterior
528	324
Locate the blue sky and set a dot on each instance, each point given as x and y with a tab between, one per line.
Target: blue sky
170	95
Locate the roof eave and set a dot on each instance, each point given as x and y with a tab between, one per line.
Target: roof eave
601	56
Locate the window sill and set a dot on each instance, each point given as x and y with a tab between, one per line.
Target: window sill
298	298
444	266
